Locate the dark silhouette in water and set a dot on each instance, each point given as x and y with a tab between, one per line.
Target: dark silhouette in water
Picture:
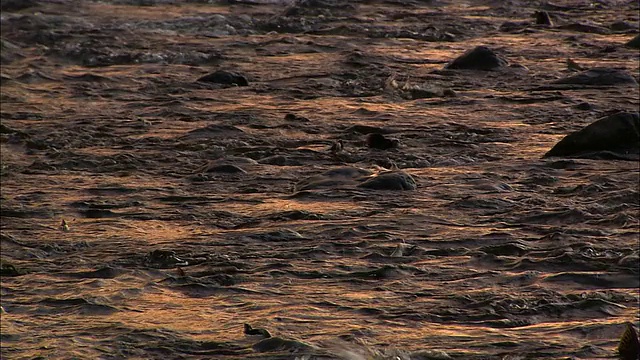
225	77
379	141
248	330
629	346
478	58
599	77
543	18
614	136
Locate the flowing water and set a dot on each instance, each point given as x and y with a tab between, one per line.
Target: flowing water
498	253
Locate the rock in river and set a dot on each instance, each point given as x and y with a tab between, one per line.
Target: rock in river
226	78
599	76
634	43
391	180
616	136
479	58
379	141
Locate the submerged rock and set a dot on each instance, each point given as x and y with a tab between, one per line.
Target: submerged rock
599	76
379	141
614	136
337	177
279	344
543	18
249	330
634	43
479	58
226	78
393	180
352	176
629	345
225	168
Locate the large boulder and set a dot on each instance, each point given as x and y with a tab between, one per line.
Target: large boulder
613	137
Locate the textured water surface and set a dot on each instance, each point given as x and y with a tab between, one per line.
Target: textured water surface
193	207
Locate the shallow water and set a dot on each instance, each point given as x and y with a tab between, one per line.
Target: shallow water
497	254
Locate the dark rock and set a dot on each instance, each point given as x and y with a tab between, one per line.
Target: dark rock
10	270
279	344
249	330
225	168
393	180
585	28
449	93
615	134
629	345
366	129
479	58
343	176
163	259
543	18
293	117
9	52
634	43
279	235
599	76
418	93
379	141
16	5
622	26
226	78
347	172
4	129
513	26
584	106
279	160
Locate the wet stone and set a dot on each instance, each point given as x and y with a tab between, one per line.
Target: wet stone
296	118
599	76
584	106
543	18
333	178
249	330
379	141
366	129
225	168
278	160
479	58
615	134
622	26
279	235
163	259
634	43
226	78
395	180
16	5
10	270
279	344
